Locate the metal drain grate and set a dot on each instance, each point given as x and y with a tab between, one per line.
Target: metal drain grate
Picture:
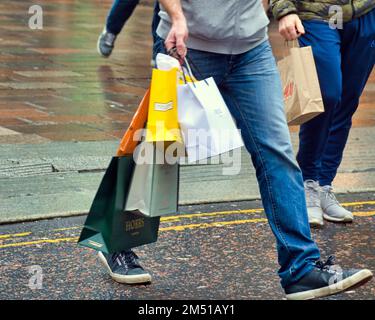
27	170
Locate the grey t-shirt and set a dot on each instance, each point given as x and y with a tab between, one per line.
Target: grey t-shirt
221	26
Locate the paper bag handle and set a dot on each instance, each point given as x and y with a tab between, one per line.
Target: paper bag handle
187	60
287	46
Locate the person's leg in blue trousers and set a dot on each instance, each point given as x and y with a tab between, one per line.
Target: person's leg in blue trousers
313	134
344	60
155	21
250	84
120	12
358	58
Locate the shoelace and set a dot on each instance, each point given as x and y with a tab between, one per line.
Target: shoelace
127	258
312	194
109	38
325	265
329	194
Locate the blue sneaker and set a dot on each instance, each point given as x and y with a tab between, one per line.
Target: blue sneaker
124	267
106	43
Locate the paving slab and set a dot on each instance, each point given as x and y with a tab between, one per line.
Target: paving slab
61	178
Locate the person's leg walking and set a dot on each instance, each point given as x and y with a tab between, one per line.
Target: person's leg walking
251	86
252	89
119	13
155	21
358	57
154	26
313	134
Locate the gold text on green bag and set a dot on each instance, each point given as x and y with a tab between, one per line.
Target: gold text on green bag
134	224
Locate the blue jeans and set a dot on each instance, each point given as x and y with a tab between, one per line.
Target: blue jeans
344	59
251	87
122	10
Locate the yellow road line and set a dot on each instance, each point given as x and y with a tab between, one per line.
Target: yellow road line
182	216
364	213
177	218
217	213
64	229
210	225
210	214
6	236
192	215
29	243
359	203
173	228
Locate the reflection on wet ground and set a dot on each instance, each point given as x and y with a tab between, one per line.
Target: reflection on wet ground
54	85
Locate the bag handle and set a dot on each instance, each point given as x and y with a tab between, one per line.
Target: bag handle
294	44
173	53
190	73
187	61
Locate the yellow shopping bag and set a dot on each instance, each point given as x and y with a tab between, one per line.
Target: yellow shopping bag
162	124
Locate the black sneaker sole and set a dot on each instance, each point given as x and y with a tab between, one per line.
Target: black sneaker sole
354	281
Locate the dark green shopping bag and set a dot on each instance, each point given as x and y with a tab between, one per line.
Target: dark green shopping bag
108	228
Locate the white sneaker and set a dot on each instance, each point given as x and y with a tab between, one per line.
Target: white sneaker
332	210
314	210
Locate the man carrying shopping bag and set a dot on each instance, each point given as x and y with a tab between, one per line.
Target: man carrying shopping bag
342	39
228	40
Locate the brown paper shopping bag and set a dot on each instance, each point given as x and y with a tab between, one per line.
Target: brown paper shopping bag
302	96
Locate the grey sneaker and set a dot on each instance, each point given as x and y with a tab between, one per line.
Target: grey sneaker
314	210
124	267
332	210
106	43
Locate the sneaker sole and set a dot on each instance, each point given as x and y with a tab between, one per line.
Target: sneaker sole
329	218
130	279
354	281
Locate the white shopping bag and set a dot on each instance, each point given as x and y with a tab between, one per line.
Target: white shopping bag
207	126
154	185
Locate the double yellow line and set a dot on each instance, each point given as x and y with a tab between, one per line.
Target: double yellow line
177	218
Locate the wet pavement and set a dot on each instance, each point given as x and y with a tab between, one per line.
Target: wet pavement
63	108
53	83
217	251
55	86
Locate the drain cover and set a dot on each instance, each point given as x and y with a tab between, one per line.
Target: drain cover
24	170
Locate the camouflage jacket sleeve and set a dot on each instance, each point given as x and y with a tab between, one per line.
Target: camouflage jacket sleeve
281	8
